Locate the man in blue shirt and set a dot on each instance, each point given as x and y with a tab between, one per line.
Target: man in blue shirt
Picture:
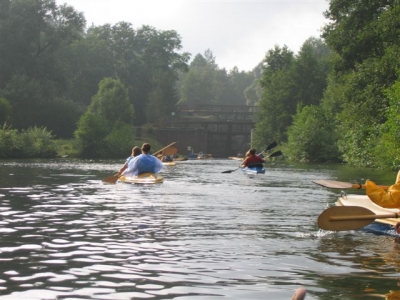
143	163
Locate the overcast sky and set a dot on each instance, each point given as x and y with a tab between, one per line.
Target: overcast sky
238	32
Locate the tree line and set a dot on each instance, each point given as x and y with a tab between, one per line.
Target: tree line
56	74
335	100
339	103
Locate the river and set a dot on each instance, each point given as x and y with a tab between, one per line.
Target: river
201	234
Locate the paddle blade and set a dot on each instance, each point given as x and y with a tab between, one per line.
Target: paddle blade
271	146
339	218
275	154
230	171
333	184
111	180
170	151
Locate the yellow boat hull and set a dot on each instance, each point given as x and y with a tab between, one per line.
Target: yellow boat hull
144	178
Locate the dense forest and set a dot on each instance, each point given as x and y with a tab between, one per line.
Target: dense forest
336	100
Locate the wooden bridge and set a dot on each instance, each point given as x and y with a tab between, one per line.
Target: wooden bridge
221	130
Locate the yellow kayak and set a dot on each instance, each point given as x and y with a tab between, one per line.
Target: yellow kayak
169	163
144	178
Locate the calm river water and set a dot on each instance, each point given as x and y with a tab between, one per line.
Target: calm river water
201	234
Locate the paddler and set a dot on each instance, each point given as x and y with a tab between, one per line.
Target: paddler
143	163
387	199
253	160
135	152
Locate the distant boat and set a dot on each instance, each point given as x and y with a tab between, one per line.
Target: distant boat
202	155
192	155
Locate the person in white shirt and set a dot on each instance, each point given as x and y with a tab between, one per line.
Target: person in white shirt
143	163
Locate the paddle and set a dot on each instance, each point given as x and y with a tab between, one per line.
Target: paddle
275	154
342	185
111	179
114	178
271	146
338	218
161	150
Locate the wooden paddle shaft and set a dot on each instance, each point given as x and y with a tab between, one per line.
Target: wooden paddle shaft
362	217
343	185
362	186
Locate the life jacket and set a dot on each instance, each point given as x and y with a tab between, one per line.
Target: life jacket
387	199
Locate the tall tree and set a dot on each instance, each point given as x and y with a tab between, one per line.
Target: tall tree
32	33
365	38
109	113
277	104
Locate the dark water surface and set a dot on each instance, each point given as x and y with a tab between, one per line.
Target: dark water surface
199	235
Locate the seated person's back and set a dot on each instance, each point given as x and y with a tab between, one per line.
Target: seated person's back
148	163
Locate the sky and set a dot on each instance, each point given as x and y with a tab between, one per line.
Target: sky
238	32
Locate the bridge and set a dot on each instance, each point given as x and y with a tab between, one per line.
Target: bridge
221	130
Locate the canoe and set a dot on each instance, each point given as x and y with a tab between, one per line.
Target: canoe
253	170
385	226
144	178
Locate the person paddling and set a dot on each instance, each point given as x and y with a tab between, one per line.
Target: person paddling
143	163
386	199
135	152
253	160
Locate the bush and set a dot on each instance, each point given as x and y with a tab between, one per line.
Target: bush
35	142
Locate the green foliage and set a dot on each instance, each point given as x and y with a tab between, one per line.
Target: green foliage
310	137
359	30
38	142
35	142
10	143
91	133
121	140
387	148
5	111
205	83
104	130
111	102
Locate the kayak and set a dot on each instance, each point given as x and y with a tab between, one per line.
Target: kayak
144	178
383	226
169	163
253	170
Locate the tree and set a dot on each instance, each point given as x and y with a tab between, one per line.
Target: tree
5	112
32	35
112	102
277	105
109	113
206	83
311	138
311	68
365	38
387	149
139	56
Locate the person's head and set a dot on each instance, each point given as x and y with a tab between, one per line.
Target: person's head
146	148
136	151
252	151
